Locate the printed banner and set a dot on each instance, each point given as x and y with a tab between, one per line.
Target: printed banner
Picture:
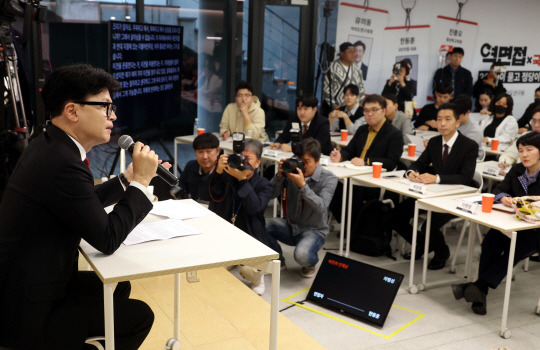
361	25
412	43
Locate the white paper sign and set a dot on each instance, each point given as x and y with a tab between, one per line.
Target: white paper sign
270	152
491	171
467	206
417	188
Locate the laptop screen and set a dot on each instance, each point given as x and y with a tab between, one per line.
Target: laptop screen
356	288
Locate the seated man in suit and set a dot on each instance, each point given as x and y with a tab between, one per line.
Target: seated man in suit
50	203
240	196
350	116
427	118
194	178
448	159
467	127
305	195
311	124
377	141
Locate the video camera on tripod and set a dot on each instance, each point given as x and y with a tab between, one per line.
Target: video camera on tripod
290	165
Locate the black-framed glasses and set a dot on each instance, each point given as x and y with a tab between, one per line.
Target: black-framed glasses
109	105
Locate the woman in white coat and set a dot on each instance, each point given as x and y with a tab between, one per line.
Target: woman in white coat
501	124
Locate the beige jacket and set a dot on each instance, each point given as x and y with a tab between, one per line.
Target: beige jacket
233	121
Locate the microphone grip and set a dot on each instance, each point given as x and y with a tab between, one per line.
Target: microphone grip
162	172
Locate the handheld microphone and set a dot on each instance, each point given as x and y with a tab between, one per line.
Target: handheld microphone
126	142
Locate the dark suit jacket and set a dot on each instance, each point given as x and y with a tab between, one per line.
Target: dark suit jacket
387	147
357	115
248	198
463	82
319	129
51	203
195	183
402	93
364	68
459	168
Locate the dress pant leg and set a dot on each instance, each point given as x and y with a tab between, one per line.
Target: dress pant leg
401	217
81	315
495	251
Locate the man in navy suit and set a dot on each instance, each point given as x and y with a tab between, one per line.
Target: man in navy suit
50	203
448	159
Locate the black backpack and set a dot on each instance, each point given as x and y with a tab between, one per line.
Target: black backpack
371	232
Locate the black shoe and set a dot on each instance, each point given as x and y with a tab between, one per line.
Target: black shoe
478	298
479	308
459	289
439	260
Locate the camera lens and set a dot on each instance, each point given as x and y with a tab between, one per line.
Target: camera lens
289	166
235	161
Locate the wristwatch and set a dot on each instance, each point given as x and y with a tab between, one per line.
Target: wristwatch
123	179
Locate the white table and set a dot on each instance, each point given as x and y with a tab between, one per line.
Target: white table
491	164
500	150
502	221
220	245
344	171
337	140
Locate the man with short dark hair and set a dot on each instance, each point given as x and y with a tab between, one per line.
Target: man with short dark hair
427	118
449	158
306	195
459	78
50	204
359	52
194	178
245	115
341	72
310	123
377	141
350	116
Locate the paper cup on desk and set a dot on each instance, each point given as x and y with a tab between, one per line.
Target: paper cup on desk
377	167
200	131
412	149
344	134
487	202
494	144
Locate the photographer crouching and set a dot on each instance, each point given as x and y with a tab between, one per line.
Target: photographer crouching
239	195
306	191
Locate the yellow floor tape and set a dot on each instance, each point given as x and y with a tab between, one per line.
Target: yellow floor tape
420	315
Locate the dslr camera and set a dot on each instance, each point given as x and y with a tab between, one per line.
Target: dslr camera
397	69
237	160
290	165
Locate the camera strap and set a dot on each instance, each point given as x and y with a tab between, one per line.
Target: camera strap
284	193
210	191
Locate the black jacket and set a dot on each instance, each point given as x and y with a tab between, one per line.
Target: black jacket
387	147
248	198
319	129
460	166
463	83
51	203
194	182
402	93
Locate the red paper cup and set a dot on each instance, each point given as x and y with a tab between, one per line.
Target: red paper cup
344	134
200	131
412	149
494	144
487	202
377	167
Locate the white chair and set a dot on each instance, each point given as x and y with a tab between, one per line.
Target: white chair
478	178
95	342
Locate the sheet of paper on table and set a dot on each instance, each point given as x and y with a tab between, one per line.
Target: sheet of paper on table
159	230
178	210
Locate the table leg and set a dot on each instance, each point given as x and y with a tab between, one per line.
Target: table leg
108	290
505	333
342	225
175	166
470	250
275	199
426	250
349	214
176	330
412	287
275	270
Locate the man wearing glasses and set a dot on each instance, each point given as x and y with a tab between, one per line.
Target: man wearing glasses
50	203
245	115
376	141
